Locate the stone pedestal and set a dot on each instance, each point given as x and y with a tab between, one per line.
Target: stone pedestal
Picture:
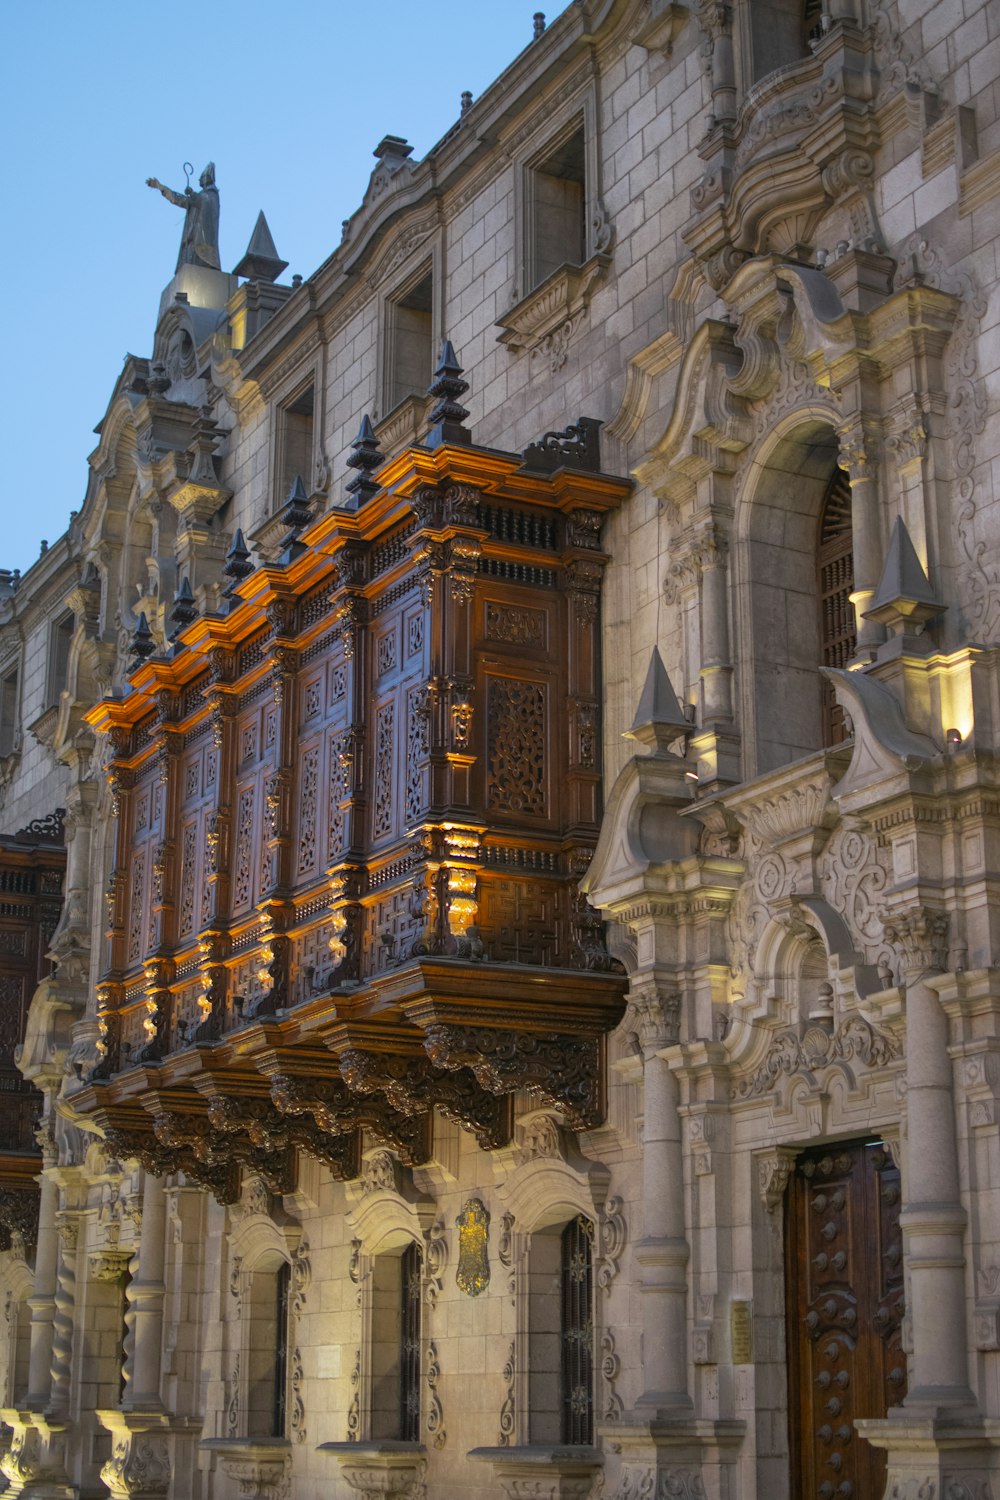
261	1467
939	1455
139	1467
375	1469
34	1464
543	1471
692	1460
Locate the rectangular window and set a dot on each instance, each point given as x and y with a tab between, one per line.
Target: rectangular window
279	1413
8	711
557	207
59	644
409	341
296	440
577	1334
409	1347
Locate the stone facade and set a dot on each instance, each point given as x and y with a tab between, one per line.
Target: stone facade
758	243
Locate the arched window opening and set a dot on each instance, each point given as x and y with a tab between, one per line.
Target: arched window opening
267	1382
835	583
396	1319
577	1331
561	1333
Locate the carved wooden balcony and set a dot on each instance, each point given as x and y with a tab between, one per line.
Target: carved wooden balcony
353	813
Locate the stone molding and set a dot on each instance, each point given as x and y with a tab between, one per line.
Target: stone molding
546	319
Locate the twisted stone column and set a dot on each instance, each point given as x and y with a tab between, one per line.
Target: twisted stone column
64	1304
933	1219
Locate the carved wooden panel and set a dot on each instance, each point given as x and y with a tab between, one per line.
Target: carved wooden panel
517	753
844	1313
519	921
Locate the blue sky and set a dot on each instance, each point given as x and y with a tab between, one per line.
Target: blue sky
288	100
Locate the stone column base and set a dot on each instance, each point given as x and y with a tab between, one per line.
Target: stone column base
936	1455
550	1472
690	1459
34	1464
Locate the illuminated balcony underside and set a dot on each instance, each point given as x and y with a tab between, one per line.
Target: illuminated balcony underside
438	1034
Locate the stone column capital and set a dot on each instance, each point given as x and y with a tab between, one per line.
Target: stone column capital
655	1012
921	932
859	449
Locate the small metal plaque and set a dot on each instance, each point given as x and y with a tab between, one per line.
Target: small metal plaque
473	1275
741	1332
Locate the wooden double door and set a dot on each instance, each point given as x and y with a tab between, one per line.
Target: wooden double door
844	1307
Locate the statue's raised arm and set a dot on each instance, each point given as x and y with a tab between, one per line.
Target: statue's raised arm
180	199
200	237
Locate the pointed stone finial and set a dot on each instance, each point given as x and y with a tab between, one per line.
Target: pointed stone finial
447	414
366	457
296	516
184	611
904	600
142	644
659	718
261	261
236	567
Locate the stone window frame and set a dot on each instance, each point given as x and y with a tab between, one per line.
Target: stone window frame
551	130
384	1225
748	74
57	674
258	1246
307	376
425	261
11	705
542	1196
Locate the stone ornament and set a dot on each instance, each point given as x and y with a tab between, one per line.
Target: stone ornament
473	1273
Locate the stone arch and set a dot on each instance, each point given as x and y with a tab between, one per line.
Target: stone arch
16	1286
775	605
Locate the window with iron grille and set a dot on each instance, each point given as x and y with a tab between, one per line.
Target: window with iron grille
835	583
266	1351
577	1331
409	1346
280	1409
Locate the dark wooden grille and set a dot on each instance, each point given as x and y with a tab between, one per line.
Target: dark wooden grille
409	1344
835	582
279	1414
578	1332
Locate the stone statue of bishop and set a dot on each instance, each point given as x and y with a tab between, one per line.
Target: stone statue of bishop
200	239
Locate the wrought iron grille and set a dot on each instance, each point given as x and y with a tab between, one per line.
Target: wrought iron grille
409	1344
577	1328
279	1414
835	580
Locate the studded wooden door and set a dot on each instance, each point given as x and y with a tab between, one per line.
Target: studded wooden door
844	1310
